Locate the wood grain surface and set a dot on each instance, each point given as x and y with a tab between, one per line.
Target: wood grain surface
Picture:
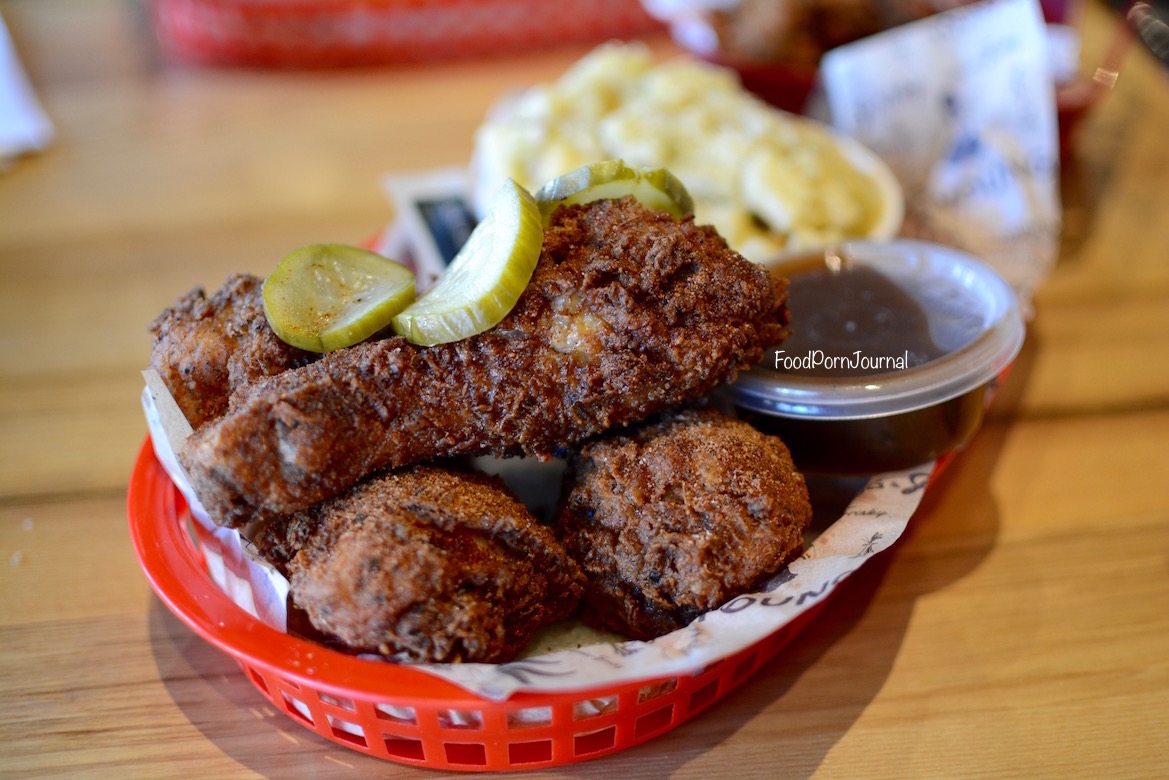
1019	629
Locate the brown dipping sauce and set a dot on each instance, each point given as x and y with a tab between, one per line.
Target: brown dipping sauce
853	317
877	444
861	324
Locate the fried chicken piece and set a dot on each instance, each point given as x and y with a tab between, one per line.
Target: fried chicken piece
629	312
677	517
425	564
204	348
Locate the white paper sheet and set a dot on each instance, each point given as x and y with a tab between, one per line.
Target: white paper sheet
962	107
24	126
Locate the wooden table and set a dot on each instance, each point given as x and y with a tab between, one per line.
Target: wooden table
1021	628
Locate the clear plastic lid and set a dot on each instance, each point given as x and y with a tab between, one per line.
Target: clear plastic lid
972	317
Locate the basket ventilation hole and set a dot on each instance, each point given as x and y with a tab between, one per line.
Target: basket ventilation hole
298	708
660	688
655	721
591	708
347	732
529	717
744	669
460	719
703	696
345	704
468	754
530	752
258	681
780	639
403	715
402	747
584	744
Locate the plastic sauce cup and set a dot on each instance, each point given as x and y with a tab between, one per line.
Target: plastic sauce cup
894	353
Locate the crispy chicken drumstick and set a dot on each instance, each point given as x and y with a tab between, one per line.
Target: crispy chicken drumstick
629	312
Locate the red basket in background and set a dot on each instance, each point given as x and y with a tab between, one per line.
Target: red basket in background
332	33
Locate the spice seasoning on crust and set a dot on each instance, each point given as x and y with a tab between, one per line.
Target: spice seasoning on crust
206	348
678	517
629	313
425	564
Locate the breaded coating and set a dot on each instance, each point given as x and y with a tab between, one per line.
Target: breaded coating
677	517
425	564
204	348
629	312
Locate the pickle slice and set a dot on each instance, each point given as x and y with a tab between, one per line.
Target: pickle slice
323	297
486	277
655	188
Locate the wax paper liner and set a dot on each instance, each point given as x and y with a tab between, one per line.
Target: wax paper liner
872	522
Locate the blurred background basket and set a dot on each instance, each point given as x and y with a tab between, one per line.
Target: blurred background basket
333	33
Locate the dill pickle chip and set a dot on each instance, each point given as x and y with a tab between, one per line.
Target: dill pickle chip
486	277
654	188
323	297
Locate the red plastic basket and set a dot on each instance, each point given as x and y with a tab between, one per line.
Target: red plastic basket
402	714
328	33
